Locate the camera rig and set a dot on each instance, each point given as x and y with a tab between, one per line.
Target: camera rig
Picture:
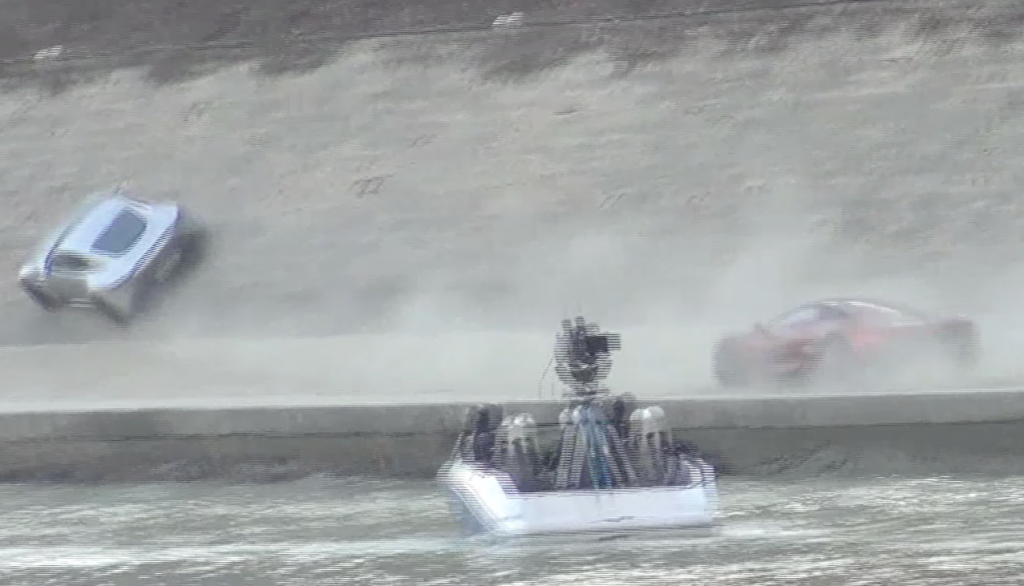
605	440
583	357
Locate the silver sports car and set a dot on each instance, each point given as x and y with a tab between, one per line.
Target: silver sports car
111	253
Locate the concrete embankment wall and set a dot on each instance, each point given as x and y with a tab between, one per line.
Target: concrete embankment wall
940	433
705	171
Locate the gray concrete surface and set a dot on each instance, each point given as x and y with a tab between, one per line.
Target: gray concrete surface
748	162
899	433
674	177
783	412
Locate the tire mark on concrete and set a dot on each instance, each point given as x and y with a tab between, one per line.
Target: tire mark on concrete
369	185
610	201
196	111
423	140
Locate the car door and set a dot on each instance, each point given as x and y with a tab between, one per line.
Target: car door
886	326
68	276
798	333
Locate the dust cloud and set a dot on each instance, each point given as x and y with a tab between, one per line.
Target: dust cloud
415	185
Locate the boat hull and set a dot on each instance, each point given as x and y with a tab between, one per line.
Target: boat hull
487	502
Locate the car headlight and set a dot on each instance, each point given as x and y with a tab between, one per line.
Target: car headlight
28	273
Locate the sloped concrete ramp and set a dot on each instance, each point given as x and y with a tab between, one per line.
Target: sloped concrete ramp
460	191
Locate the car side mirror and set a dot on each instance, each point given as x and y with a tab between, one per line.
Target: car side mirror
759	328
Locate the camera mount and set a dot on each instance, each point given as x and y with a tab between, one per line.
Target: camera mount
583	356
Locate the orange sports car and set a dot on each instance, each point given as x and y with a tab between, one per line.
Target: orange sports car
836	340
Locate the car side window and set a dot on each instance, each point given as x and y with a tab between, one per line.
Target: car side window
883	315
68	262
869	312
798	317
832	313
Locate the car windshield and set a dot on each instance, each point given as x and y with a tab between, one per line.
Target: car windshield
887	313
120	234
69	262
806	315
797	317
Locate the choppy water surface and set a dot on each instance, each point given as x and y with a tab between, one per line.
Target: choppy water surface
888	531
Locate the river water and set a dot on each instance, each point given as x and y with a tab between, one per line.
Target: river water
329	531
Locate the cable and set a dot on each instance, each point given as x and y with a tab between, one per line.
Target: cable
540	383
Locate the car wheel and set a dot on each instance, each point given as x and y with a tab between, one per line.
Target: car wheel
964	351
195	241
729	367
836	363
119	315
40	298
167	266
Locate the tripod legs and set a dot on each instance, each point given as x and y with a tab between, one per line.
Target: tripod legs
598	447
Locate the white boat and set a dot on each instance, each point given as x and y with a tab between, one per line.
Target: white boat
613	468
487	502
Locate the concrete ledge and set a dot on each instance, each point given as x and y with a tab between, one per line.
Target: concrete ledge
768	435
981	406
848	410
